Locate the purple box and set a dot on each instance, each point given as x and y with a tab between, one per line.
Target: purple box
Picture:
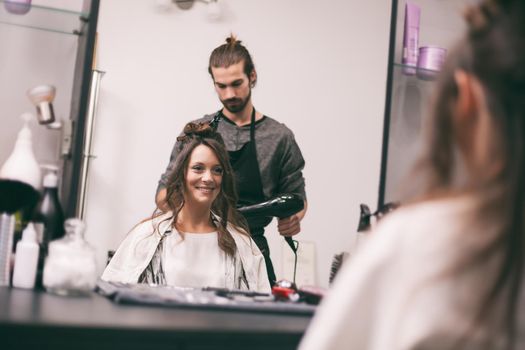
429	61
17	7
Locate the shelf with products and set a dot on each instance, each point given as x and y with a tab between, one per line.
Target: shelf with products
422	34
57	20
34	54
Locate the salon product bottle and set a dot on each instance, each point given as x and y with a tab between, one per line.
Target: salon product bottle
70	267
17	7
48	218
26	259
364	226
410	38
19	183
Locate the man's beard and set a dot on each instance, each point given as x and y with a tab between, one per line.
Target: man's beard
236	105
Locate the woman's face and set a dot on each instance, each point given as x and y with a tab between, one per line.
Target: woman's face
203	177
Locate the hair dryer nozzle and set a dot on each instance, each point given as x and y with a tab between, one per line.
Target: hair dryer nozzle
281	206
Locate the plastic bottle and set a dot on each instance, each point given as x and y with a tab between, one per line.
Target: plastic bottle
19	183
48	217
70	267
26	259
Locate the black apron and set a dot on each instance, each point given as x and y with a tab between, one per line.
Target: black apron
250	191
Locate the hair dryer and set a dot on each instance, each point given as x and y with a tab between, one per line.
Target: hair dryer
281	206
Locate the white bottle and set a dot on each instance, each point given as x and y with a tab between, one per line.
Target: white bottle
26	259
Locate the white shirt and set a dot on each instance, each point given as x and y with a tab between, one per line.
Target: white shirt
194	260
138	248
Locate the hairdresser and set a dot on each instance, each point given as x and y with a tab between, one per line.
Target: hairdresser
263	152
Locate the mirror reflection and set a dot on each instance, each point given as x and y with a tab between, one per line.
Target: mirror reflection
316	77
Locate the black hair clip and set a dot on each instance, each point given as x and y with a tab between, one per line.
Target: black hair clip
215	121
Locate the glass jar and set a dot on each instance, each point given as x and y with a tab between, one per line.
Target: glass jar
70	267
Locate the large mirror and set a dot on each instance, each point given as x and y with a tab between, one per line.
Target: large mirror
321	71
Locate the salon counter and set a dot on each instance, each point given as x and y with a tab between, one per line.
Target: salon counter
39	320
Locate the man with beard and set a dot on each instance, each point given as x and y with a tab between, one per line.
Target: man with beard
263	152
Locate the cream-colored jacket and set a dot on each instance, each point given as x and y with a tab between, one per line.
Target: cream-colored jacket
137	250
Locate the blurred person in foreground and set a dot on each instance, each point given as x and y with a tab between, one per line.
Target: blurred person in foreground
446	271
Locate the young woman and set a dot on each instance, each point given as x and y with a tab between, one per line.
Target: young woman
202	240
446	272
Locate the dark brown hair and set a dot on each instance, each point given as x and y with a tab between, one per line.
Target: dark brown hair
230	53
493	51
196	134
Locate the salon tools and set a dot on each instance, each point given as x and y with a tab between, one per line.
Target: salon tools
281	206
284	290
200	298
311	294
337	262
42	97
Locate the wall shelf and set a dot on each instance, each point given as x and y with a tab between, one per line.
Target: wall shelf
409	96
44	18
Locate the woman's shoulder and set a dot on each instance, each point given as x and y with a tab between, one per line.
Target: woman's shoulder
423	228
443	213
158	223
238	232
243	240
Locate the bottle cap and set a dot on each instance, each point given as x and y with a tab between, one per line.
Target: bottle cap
29	234
75	227
51	178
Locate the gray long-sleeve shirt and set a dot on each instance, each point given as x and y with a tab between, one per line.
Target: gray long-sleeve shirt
279	157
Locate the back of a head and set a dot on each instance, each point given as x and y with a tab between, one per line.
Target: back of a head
493	51
232	52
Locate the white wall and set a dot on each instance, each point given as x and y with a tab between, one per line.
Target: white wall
322	71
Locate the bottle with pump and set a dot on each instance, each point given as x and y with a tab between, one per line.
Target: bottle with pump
70	267
26	259
19	183
48	217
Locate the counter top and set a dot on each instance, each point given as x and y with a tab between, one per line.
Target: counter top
41	320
